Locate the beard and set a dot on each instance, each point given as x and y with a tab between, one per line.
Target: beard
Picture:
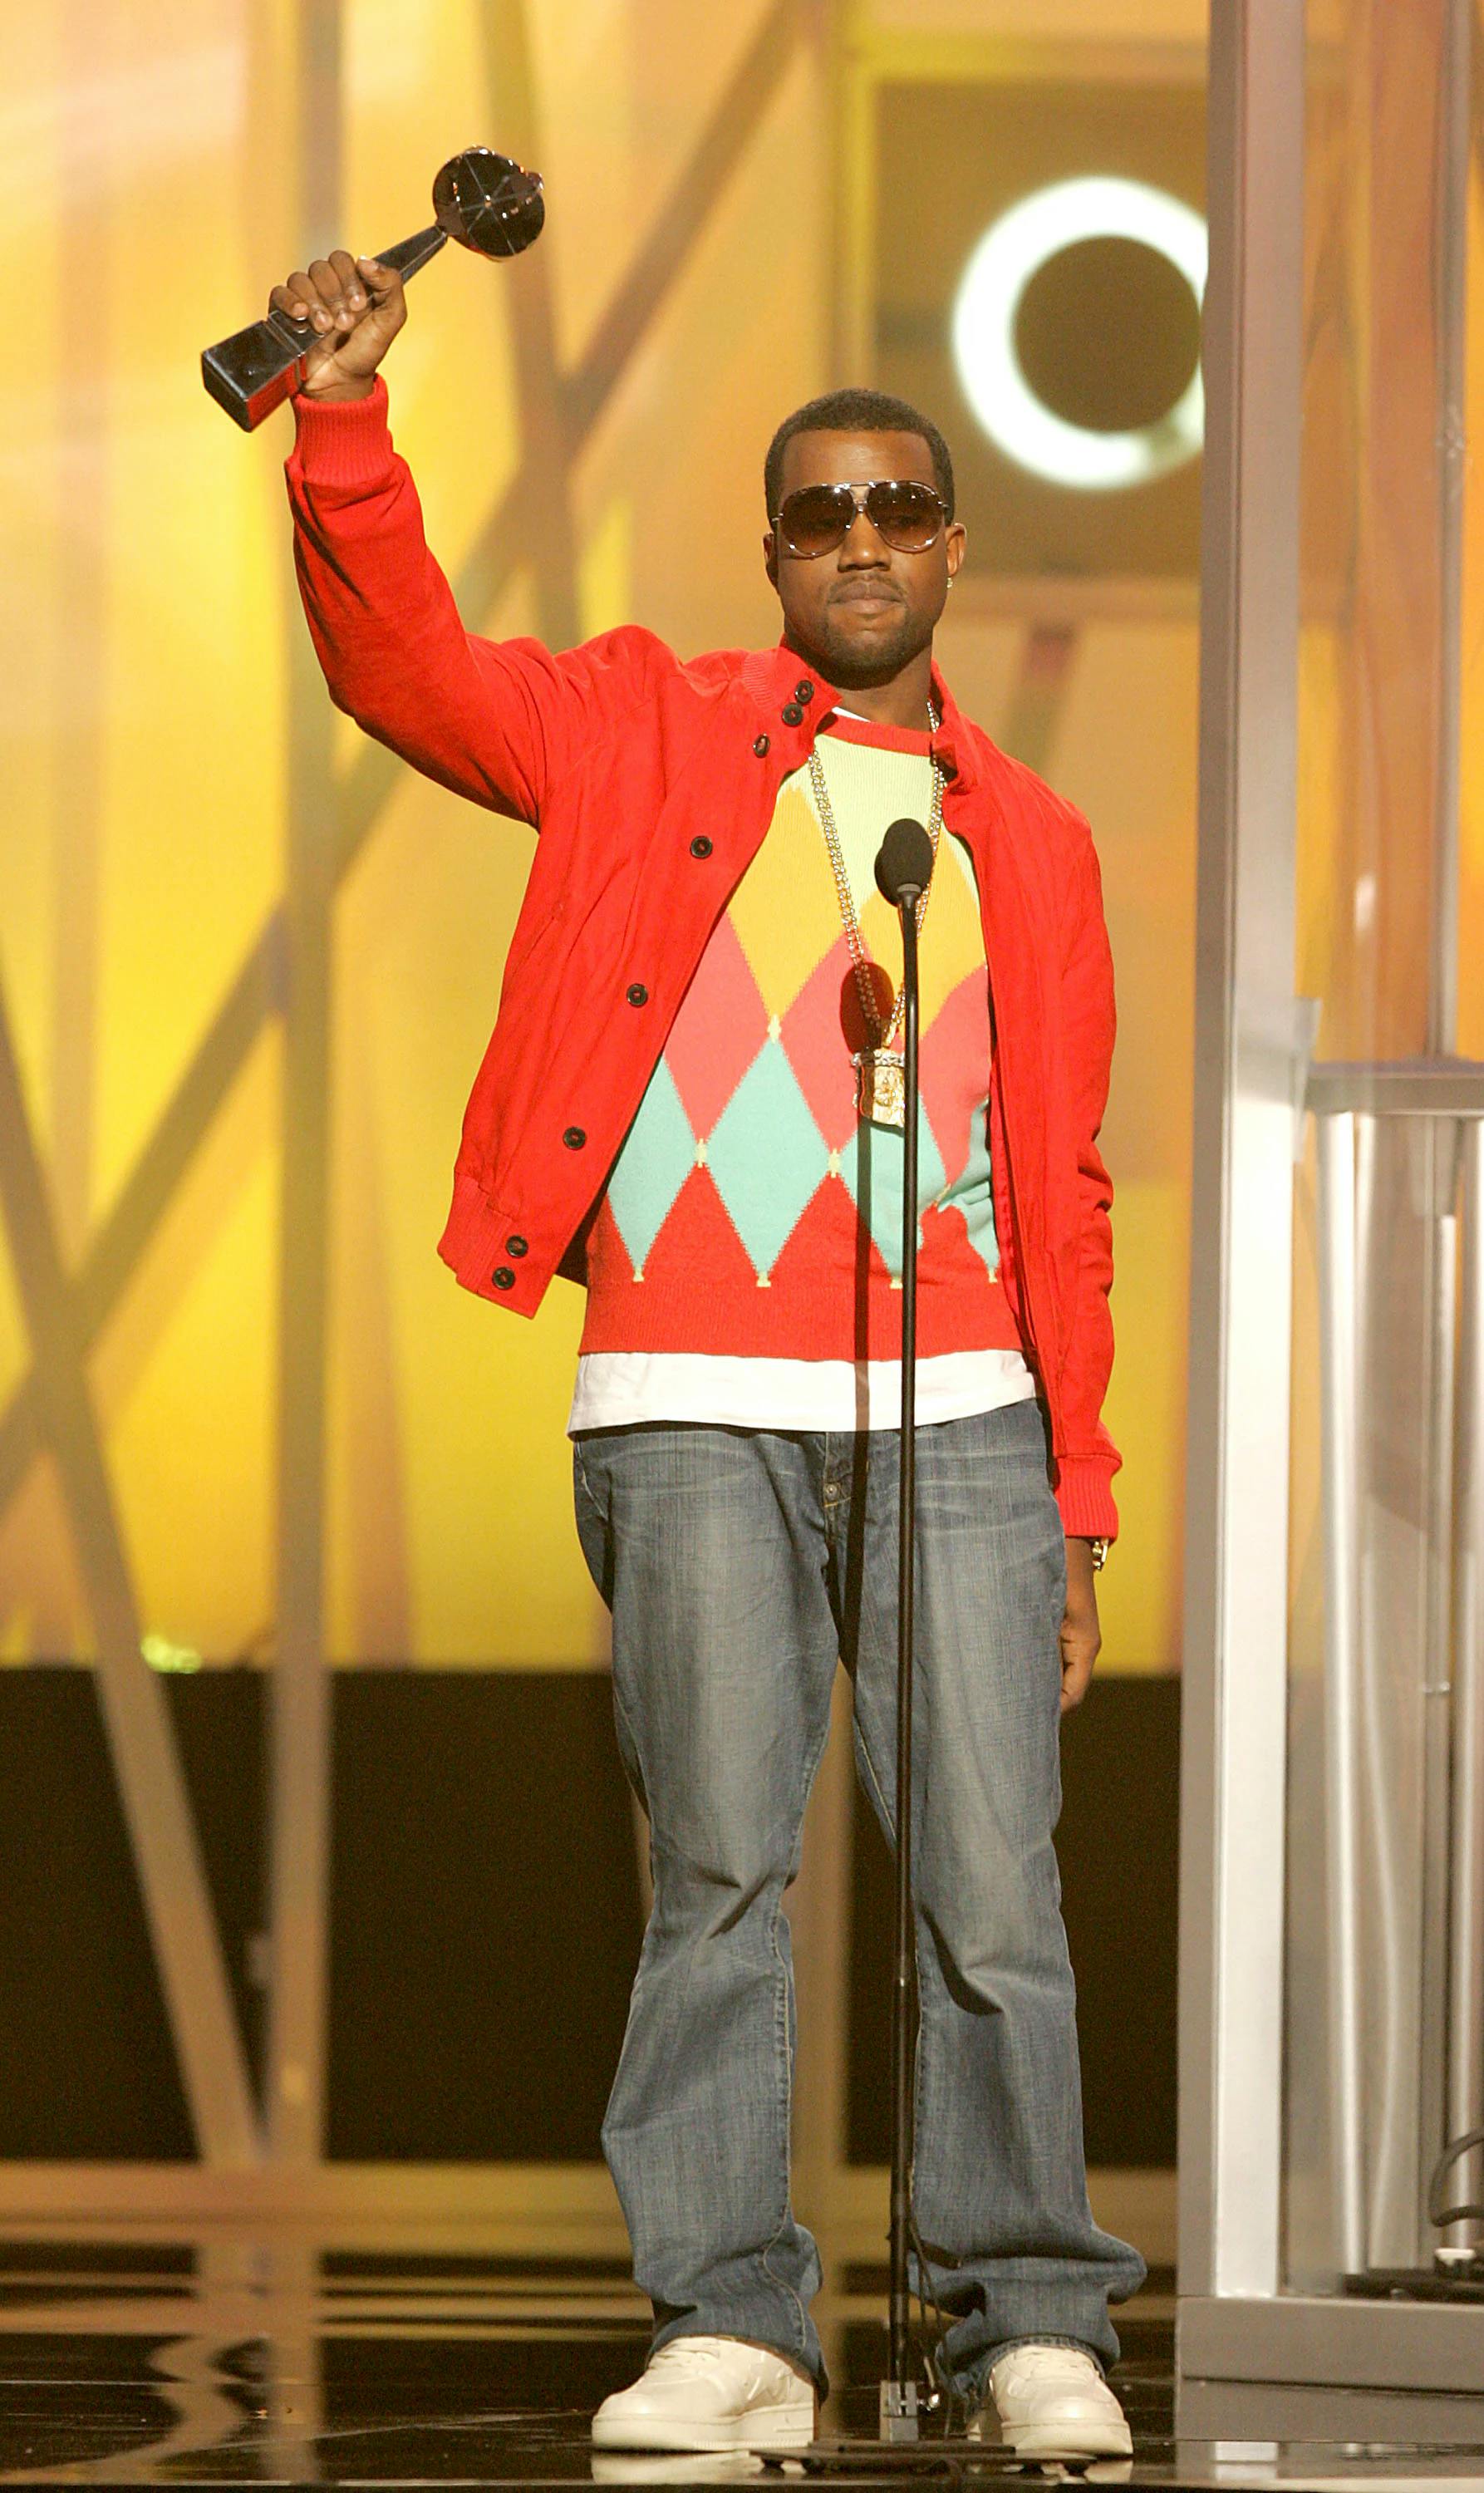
851	659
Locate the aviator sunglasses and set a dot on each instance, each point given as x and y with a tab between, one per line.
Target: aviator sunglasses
817	517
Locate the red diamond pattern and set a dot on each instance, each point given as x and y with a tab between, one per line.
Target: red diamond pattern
955	1071
821	1030
718	1030
698	1247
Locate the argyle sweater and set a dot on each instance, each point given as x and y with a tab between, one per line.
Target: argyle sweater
751	1212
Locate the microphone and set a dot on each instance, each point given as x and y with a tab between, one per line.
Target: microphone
903	866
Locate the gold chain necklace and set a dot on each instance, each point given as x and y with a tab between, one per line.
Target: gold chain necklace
880	1084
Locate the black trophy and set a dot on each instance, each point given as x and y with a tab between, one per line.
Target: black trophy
488	202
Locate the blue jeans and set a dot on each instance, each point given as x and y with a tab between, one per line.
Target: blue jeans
738	1564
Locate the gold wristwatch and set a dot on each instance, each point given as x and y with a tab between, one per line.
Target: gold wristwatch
1100	1548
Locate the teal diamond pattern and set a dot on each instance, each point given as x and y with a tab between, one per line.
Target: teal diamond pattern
766	1156
973	1194
656	1160
872	1167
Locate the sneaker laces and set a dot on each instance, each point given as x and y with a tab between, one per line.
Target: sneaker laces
1032	2362
694	2350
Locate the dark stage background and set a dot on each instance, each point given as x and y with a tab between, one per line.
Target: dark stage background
486	1918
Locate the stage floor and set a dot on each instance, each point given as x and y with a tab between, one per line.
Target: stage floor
266	2359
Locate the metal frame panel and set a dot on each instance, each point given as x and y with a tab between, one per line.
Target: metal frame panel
1271	2412
1341	2342
1235	2322
299	1783
1247	1043
1464	2103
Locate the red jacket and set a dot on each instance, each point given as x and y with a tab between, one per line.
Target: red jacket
652	784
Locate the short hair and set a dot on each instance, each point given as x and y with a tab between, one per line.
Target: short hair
856	410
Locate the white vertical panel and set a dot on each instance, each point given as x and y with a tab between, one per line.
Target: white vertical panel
1237	1614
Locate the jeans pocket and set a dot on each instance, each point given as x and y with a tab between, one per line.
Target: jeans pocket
594	1533
583	1488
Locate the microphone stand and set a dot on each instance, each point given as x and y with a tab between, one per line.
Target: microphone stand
899	2420
903	870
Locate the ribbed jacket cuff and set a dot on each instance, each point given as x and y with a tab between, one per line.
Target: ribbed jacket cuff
345	442
1086	1498
476	1245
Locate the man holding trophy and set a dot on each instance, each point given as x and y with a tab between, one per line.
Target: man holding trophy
693	1103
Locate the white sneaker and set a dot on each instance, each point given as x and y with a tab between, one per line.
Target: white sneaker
1052	2402
710	2394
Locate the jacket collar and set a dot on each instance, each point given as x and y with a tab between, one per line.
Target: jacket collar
776	679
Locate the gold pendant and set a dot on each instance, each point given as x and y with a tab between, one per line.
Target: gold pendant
880	1088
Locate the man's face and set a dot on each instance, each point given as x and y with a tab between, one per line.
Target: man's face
863	611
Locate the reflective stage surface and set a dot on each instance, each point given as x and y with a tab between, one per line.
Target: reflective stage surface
267	2359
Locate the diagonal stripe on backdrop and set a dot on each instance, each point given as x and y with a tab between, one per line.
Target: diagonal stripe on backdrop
1038	699
541	395
96	1287
161	1830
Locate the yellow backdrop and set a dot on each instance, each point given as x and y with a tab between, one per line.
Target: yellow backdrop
703	234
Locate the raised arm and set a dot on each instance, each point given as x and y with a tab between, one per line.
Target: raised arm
497	721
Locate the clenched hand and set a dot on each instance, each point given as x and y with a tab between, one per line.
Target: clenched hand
352	310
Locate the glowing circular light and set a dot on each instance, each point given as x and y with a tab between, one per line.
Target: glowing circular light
1004	262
